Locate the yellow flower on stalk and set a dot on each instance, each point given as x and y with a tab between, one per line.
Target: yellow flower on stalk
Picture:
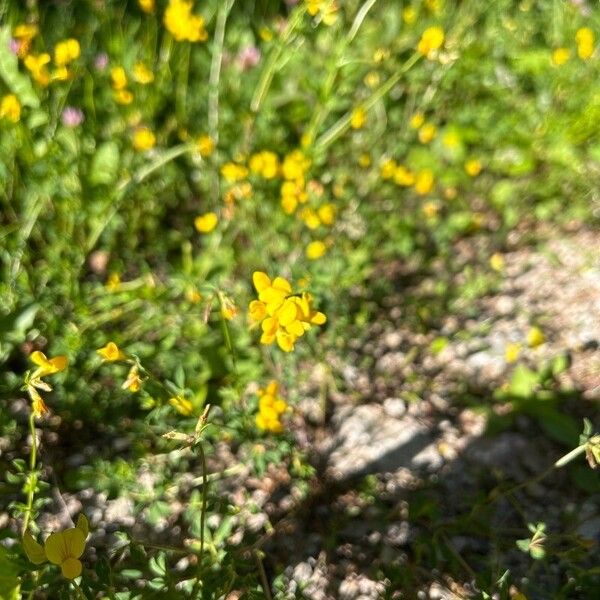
535	337
358	118
182	405
133	383
206	223
146	5
182	24
327	9
431	40
66	51
315	250
585	39
326	214
113	283
266	35
143	139
497	262
142	74
60	74
560	56
427	133
111	352
512	352
63	548
265	163
47	366
295	165
424	182
473	167
10	108
205	145
38	406
36	65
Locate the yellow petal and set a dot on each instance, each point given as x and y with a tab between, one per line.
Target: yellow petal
34	550
59	362
75	541
279	283
318	318
83	525
71	568
55	548
38	358
260	280
288	313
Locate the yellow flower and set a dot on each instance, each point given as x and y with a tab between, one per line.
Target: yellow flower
228	308
233	172
535	337
38	406
364	160
310	218
265	163
24	33
409	15
182	24
182	405
473	167
431	40
143	139
451	139
430	209
585	42
372	79
404	177
512	352
388	168
380	55
326	214
315	250
118	78
266	35
146	5
427	133
270	406
60	74
424	182
63	548
326	8
142	74
123	96
133	383
36	65
206	223
111	352
295	165
113	283
47	366
205	145
358	118
417	120
66	52
497	261
10	108
560	56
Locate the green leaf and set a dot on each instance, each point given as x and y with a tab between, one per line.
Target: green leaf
19	84
10	585
105	164
523	382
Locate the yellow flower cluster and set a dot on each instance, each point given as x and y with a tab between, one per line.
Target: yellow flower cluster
560	56
45	366
358	118
585	40
63	548
325	9
293	190
431	40
24	34
143	139
270	408
284	317
265	164
182	24
65	52
10	108
119	85
422	181
233	171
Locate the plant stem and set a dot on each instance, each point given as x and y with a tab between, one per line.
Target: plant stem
32	463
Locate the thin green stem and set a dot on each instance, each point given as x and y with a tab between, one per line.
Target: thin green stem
31	476
204	495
